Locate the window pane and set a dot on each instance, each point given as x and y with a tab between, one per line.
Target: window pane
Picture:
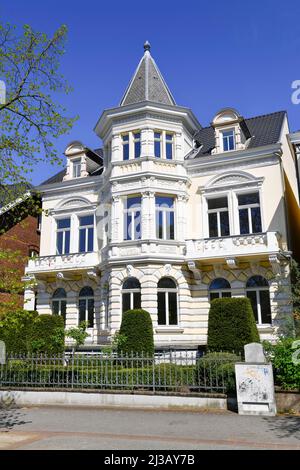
137	149
137	225
224	221
159	225
172	308
265	306
170	228
82	235
252	296
244	221
162	201
90	313
63	307
64	223
67	242
166	283
169	151
219	283
82	307
90	239
132	283
214	295
226	294
86	220
133	202
213	224
161	308
126	302
246	199
157	151
136	300
59	243
256	220
55	307
218	203
257	281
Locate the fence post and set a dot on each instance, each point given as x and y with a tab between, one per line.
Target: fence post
153	372
72	375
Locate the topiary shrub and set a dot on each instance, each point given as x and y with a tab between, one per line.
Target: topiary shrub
215	371
48	334
231	325
137	331
28	332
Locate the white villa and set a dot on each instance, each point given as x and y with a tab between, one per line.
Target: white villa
169	215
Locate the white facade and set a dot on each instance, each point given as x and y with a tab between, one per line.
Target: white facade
168	220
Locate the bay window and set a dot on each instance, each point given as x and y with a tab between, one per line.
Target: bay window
164	208
249	213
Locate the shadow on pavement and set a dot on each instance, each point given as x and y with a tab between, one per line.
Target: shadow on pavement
10	417
287	426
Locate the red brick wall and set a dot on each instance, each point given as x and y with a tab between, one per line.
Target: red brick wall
21	237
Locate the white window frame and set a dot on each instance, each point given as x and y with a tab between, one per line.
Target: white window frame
130	213
76	168
86	298
227	138
165	210
257	290
249	207
131	292
167	291
59	230
86	227
217	211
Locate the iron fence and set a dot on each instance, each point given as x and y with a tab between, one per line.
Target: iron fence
178	371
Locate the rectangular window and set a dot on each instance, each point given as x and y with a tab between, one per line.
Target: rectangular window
228	140
132	219
169	146
137	144
77	168
63	229
157	144
165	218
218	217
125	142
249	213
86	234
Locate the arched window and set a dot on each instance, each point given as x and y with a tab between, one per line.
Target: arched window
131	294
257	290
219	288
59	303
167	302
86	306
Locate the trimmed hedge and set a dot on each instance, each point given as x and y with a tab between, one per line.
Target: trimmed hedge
231	325
217	370
28	332
137	329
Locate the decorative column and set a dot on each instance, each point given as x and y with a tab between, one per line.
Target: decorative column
116	216
146	214
144	142
178	146
116	148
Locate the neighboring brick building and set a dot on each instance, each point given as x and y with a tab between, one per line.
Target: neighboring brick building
19	232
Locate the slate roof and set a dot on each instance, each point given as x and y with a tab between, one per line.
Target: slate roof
264	130
147	83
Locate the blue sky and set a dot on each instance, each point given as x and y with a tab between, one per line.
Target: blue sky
211	54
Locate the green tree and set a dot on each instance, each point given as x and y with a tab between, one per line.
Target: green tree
30	117
137	333
78	334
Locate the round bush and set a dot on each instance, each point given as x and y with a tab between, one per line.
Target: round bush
137	329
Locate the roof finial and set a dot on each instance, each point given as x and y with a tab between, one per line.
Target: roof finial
147	46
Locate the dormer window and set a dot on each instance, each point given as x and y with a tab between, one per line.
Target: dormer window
77	168
228	138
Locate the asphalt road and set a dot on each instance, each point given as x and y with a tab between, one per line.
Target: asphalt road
117	429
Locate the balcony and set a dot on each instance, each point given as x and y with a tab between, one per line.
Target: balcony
235	245
144	249
70	262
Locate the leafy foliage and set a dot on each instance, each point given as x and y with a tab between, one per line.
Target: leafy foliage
78	334
281	354
137	328
217	370
27	332
231	325
295	283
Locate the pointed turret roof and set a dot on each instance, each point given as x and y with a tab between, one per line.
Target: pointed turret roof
147	83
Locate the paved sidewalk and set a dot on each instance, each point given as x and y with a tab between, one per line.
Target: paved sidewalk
117	429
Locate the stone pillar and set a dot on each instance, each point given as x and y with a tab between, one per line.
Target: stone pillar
116	150
151	215
178	146
180	221
117	214
72	315
144	142
29	298
43	304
